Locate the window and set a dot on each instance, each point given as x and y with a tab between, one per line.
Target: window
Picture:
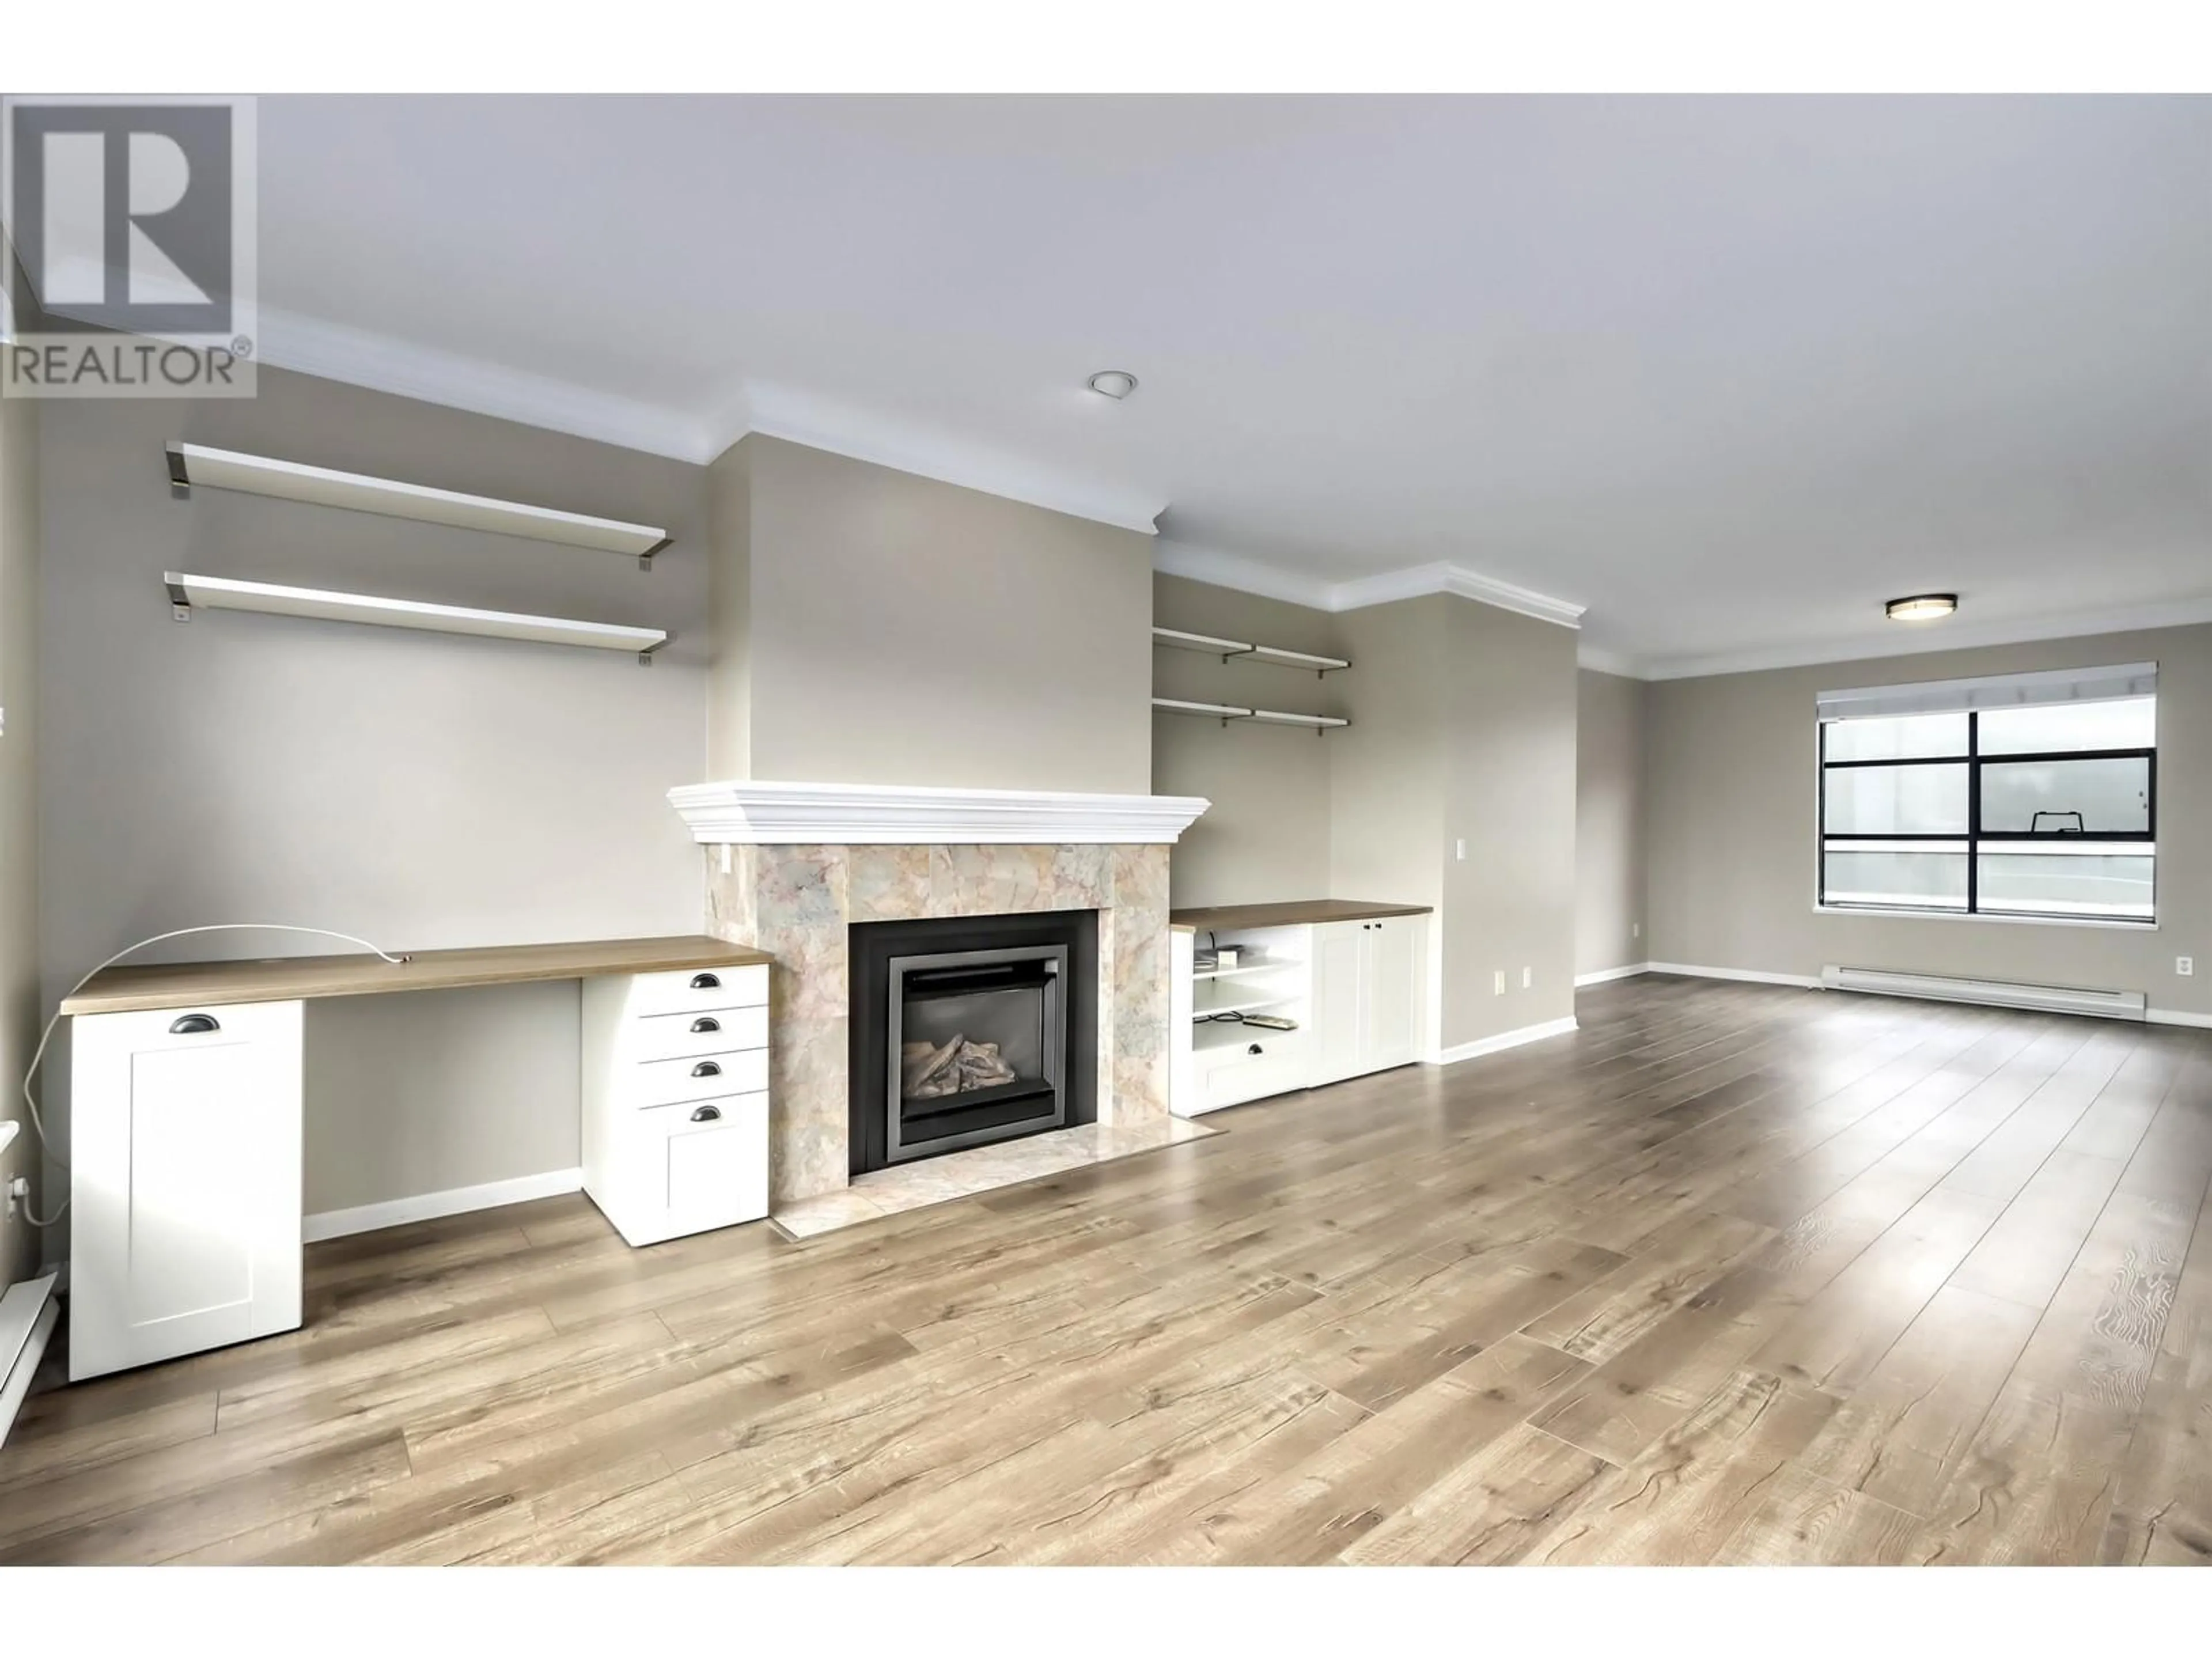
2027	795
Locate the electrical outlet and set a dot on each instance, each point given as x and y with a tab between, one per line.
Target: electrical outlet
2185	966
1498	983
1528	978
725	858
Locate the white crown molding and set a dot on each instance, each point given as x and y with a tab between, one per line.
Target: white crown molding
310	346
800	417
334	352
752	813
1207	564
1599	661
1418	581
1939	636
1249	575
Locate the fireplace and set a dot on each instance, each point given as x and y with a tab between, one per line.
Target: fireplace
970	1030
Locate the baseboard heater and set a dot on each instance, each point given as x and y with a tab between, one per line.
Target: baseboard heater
1995	992
28	1312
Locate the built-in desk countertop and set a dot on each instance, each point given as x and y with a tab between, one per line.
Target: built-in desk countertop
285	979
1295	913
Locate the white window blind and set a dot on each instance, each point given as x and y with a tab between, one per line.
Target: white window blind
2135	680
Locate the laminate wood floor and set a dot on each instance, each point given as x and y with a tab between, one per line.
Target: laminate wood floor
1736	1273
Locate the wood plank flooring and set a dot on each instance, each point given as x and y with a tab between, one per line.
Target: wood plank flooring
1736	1273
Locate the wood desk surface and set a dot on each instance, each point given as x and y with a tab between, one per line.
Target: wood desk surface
128	989
1296	913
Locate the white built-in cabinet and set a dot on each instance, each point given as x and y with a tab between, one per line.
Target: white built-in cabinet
1354	990
185	1180
676	1077
186	1135
1367	1003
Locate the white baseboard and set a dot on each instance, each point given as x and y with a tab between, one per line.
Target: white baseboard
429	1207
1607	975
1803	982
2176	1016
1490	1045
27	1314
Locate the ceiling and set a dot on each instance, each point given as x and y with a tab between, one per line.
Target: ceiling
1728	372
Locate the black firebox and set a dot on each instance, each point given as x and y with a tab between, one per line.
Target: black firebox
970	1029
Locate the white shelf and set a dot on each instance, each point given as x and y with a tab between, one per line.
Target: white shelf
1242	1006
1230	711
1245	971
1178	639
291	481
222	593
1227	711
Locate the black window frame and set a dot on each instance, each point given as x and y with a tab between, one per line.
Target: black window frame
1971	842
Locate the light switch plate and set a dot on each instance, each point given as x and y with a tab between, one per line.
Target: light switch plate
2185	966
1498	983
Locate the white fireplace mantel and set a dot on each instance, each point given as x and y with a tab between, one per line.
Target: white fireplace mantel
750	812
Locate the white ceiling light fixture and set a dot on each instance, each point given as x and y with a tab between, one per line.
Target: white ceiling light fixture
1922	607
1113	383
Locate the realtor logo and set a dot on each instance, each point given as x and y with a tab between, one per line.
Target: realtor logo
132	223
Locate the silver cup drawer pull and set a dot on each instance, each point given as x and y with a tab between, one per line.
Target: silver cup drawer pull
706	981
707	1068
707	1115
706	1022
194	1024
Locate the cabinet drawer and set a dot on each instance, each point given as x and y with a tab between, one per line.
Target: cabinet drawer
678	1037
702	1164
1234	1074
699	991
666	1082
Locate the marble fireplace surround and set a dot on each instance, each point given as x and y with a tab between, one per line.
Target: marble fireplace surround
774	880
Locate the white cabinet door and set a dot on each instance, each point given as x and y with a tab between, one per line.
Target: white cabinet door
1390	1014
186	1181
1339	959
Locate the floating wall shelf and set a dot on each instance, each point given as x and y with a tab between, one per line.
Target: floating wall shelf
222	593
1226	712
261	475
1231	650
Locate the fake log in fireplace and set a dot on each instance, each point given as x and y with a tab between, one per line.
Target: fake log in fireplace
970	1030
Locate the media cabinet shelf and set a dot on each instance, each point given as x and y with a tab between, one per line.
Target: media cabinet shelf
263	475
1232	650
190	593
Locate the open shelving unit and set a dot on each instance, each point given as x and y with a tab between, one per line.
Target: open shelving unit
1234	650
192	464
190	593
1273	977
1226	712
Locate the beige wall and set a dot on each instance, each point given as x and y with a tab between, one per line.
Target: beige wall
901	630
1266	836
729	614
421	790
1609	822
20	1013
1731	768
1510	904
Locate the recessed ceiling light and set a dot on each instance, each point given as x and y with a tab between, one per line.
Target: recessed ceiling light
1922	607
1113	383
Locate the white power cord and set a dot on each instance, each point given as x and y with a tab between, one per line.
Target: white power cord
39	1052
